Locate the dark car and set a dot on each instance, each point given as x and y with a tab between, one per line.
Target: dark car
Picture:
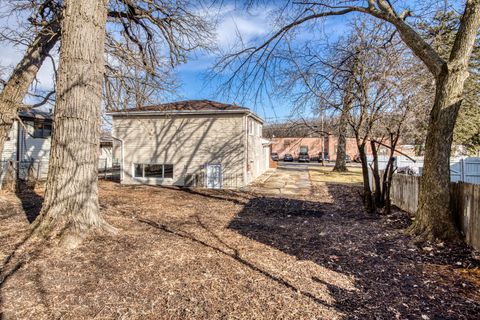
326	157
303	157
288	157
274	156
347	158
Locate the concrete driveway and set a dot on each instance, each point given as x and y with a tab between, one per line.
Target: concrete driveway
287	180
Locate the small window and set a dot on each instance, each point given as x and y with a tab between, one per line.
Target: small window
138	170
42	129
152	170
168	170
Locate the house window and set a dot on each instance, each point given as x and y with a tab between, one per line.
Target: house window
42	129
152	170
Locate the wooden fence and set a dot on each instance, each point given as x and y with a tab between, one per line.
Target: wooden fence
465	203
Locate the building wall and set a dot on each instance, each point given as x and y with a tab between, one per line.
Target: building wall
189	142
105	160
10	147
351	147
33	148
292	146
30	148
256	162
31	151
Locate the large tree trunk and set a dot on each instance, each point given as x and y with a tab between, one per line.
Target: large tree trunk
71	206
16	87
434	218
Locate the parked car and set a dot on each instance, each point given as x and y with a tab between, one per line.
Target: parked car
348	159
357	158
303	157
274	156
288	157
326	157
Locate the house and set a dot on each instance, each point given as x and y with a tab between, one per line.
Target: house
190	143
105	160
28	144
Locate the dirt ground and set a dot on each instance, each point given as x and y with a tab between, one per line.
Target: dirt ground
206	254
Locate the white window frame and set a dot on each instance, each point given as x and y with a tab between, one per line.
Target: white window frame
148	164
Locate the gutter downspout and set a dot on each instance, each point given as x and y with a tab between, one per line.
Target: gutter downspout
121	156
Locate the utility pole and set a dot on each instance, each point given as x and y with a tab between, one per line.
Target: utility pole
322	135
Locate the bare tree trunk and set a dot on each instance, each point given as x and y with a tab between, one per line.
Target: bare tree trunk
434	217
367	192
340	164
16	88
71	206
376	176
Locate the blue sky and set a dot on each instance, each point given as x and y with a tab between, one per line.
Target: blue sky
233	21
253	27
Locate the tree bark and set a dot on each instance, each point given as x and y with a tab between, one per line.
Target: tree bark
340	165
71	208
16	87
376	176
367	191
434	217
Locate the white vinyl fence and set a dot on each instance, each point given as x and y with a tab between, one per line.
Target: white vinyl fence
462	169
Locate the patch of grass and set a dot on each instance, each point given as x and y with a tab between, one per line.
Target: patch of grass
321	175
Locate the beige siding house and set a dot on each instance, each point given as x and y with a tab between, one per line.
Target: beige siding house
190	143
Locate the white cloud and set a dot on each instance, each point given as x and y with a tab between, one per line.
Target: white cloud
237	25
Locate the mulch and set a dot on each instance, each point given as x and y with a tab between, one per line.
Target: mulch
213	254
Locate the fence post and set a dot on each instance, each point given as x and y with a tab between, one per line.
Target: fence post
38	169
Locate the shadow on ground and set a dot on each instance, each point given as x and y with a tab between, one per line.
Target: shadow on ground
31	200
219	253
395	278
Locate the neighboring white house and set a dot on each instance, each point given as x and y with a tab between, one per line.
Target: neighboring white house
105	161
190	143
28	144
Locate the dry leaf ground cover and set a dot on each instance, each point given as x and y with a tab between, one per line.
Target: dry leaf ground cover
206	254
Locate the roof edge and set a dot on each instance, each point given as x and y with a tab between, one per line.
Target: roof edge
183	112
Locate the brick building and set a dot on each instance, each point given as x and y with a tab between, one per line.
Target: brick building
292	145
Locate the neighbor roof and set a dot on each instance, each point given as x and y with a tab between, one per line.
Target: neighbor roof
188	105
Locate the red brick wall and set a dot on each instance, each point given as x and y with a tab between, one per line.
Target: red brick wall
292	146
